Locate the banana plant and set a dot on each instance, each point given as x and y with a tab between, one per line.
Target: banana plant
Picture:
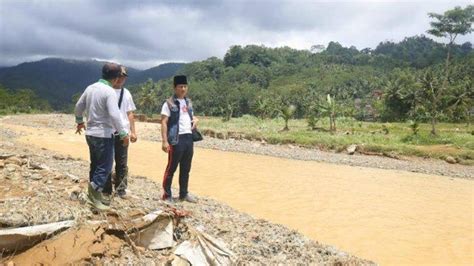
329	108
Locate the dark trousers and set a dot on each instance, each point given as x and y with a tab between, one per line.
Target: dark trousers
121	168
101	155
180	154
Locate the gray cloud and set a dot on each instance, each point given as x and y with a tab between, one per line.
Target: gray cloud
145	33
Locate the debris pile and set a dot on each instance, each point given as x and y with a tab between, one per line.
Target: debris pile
44	219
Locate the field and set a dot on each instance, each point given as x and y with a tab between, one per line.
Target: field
391	139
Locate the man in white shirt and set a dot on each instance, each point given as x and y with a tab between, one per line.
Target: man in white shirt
126	107
99	102
177	123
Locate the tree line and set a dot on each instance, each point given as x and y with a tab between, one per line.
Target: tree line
416	79
21	101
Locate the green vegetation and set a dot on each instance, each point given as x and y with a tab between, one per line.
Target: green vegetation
391	139
420	91
450	24
416	79
57	80
21	101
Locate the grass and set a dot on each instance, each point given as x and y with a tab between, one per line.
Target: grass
456	140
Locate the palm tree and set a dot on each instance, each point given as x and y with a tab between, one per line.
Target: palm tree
147	99
287	113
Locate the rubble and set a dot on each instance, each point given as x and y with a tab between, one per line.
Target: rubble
39	187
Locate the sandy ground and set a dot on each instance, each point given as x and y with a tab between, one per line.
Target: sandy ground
389	216
40	186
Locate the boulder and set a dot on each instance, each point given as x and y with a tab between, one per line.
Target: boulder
450	159
351	149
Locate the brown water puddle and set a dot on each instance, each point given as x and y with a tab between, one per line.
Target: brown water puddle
391	217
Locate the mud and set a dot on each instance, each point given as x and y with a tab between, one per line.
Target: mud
389	216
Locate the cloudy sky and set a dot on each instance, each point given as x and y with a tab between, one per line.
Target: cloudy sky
145	33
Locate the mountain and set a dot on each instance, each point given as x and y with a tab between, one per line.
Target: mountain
162	71
58	79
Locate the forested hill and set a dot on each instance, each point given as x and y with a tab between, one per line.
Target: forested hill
57	80
385	83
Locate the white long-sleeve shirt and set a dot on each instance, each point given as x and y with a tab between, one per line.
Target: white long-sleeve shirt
100	104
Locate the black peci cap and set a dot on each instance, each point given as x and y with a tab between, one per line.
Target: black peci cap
180	79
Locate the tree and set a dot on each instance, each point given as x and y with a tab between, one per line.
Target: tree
227	100
287	112
430	97
399	95
260	107
21	101
452	23
234	56
461	96
313	115
147	100
329	108
317	48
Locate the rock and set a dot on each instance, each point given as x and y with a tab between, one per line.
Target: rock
45	173
26	174
391	154
6	156
82	197
59	177
12	220
74	193
12	167
234	135
37	166
14	160
450	159
2	164
36	176
59	157
221	135
73	178
351	149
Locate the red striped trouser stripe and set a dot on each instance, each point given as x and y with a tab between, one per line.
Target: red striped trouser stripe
167	171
